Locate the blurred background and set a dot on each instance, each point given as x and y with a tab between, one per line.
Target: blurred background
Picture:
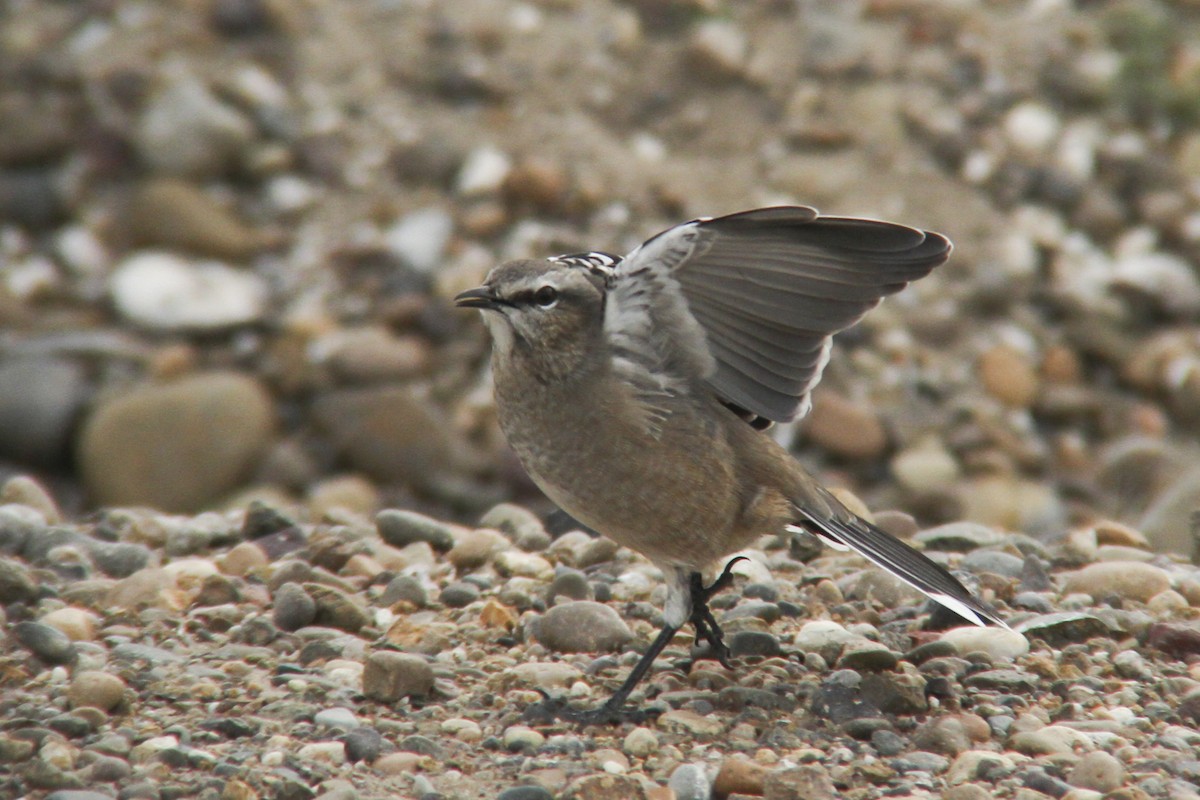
229	230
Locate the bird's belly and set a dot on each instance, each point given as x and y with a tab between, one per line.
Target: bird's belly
674	504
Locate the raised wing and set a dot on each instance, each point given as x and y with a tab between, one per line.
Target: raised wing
749	302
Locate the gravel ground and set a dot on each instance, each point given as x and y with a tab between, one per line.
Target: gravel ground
259	533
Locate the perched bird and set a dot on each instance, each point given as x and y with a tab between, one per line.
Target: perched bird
634	390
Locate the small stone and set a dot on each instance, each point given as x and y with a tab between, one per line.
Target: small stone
525	793
947	736
605	787
872	657
459	594
641	742
976	764
400	528
338	719
294	608
1050	740
689	782
522	739
242	559
96	689
961	537
520	524
77	623
682	721
570	584
925	467
47	643
186	130
16	582
739	775
844	428
389	676
526	565
363	744
1099	771
166	292
994	562
1127	579
406	589
473	549
540	183
40	399
176	446
1009	376
176	215
719	47
999	644
1063	627
582	626
809	782
1179	640
1032	127
546	675
420	238
483	172
337	609
25	491
323	752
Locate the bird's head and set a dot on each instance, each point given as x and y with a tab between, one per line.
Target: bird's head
544	312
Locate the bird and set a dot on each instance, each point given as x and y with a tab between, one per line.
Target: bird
636	391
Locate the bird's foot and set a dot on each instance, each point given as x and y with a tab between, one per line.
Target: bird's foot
702	617
609	712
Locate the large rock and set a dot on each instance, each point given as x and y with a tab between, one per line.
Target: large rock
177	446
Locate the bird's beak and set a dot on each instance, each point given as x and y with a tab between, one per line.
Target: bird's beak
480	297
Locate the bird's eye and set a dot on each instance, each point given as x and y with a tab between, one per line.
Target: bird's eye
546	296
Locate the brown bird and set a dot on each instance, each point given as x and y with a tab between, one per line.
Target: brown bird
634	391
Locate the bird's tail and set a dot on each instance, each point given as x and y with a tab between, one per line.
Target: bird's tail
907	564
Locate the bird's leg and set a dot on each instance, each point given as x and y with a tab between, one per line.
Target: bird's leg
612	710
702	617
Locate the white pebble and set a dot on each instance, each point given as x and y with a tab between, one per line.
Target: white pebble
1031	127
165	292
483	172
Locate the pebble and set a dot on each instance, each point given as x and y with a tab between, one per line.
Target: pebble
522	739
526	565
999	644
78	624
582	626
401	527
294	608
186	130
640	742
175	215
691	723
739	775
96	689
40	399
605	787
925	467
1050	740
162	291
1063	627
459	594
363	744
483	172
808	782
176	446
845	428
404	588
719	47
337	608
1131	580
420	238
960	537
16	583
1179	640
525	793
47	643
389	676
1098	771
993	561
690	782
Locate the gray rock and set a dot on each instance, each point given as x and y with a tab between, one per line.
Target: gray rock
400	528
920	761
337	609
404	588
1098	771
294	608
1063	627
18	524
77	794
519	524
459	594
525	793
959	537
363	744
40	399
994	561
186	130
583	626
176	446
690	782
868	657
339	719
389	676
570	584
49	644
754	643
16	583
119	559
